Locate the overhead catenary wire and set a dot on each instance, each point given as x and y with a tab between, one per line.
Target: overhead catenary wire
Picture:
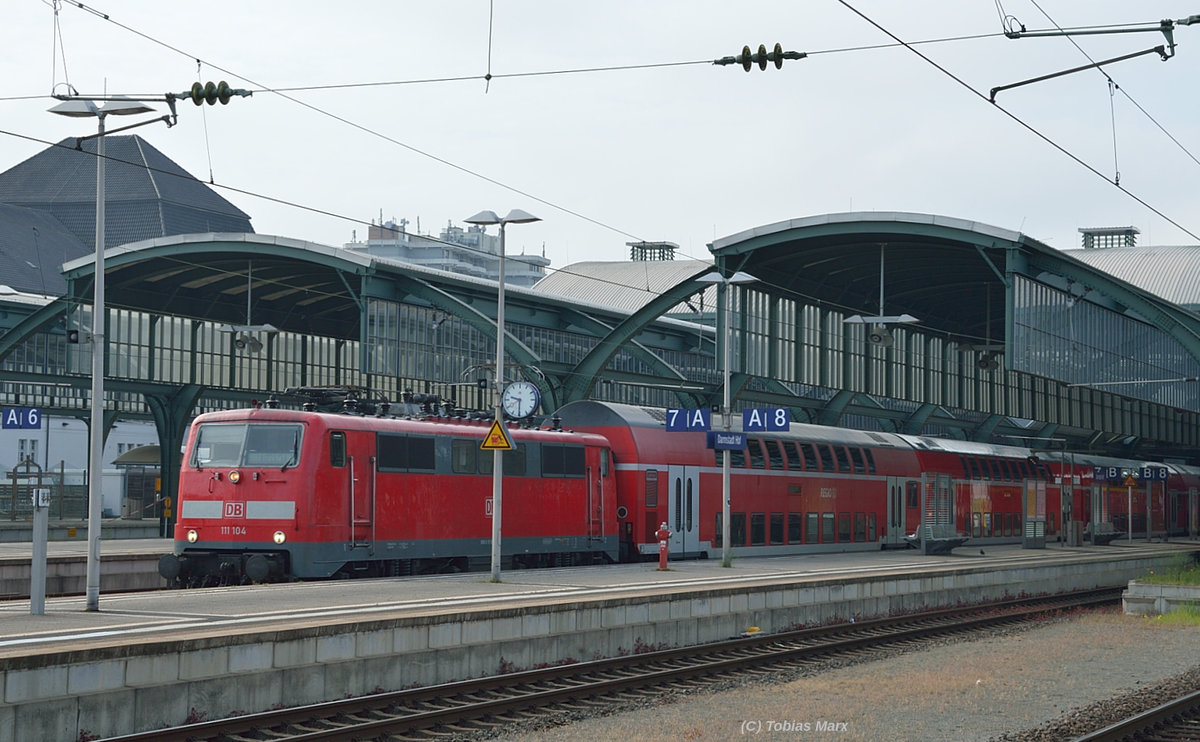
897	43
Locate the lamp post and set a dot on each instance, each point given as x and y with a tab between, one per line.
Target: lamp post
516	216
717	278
83	108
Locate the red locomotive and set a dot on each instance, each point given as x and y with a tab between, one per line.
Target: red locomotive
270	494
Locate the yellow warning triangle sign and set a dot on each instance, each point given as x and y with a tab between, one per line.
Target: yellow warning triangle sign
496	439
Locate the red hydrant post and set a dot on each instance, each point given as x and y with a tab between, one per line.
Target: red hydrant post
663	533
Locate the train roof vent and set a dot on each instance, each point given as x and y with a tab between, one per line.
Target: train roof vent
879	438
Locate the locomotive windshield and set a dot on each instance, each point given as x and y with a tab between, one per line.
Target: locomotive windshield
242	444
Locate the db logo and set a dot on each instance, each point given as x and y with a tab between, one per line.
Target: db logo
234	510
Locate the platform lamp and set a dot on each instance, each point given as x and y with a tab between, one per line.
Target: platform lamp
483	218
80	108
717	278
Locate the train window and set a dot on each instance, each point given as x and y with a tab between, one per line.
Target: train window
514	461
857	458
678	504
719	537
774	454
973	467
976	525
811	528
337	449
652	488
842	458
758	529
737	529
795	528
828	528
810	456
562	461
258	444
872	533
987	525
605	463
860	527
737	458
997	472
965	472
870	460
843	527
405	453
1005	472
912	494
776	528
826	458
757	460
464	455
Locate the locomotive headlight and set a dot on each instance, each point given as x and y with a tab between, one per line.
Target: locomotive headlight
280	537
235	476
192	535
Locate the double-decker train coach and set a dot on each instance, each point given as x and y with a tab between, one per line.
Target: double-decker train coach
811	488
272	494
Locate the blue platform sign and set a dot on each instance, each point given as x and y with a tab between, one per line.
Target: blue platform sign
21	418
723	440
690	420
768	418
1152	473
1140	474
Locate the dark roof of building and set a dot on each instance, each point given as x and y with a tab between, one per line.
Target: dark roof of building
147	195
33	247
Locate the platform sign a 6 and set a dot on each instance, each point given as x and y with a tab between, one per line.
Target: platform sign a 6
22	418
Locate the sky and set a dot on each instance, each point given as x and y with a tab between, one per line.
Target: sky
607	121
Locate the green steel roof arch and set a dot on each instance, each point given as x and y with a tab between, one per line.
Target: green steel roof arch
638	350
447	303
1183	326
32	324
585	372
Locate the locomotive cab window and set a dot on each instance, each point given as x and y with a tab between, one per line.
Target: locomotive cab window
241	444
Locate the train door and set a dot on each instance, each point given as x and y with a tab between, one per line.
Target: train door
361	496
683	510
896	507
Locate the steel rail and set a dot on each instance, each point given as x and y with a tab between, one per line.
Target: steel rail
480	702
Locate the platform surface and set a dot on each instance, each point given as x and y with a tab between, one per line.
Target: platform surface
171	614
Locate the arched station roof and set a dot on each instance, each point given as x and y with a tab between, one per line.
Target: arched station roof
951	274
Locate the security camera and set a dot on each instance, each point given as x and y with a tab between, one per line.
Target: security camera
880	336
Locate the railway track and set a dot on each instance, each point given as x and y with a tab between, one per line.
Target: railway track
1173	721
471	706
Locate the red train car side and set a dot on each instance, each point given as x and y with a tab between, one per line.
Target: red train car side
269	494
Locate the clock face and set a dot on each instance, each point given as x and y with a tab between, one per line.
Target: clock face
520	399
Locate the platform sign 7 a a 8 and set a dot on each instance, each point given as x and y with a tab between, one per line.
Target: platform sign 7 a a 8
679	420
767	418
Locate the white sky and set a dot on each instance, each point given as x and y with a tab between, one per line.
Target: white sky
684	153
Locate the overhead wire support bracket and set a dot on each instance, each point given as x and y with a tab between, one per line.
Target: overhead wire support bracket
1161	50
1166	27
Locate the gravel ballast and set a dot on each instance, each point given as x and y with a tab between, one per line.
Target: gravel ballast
1036	684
